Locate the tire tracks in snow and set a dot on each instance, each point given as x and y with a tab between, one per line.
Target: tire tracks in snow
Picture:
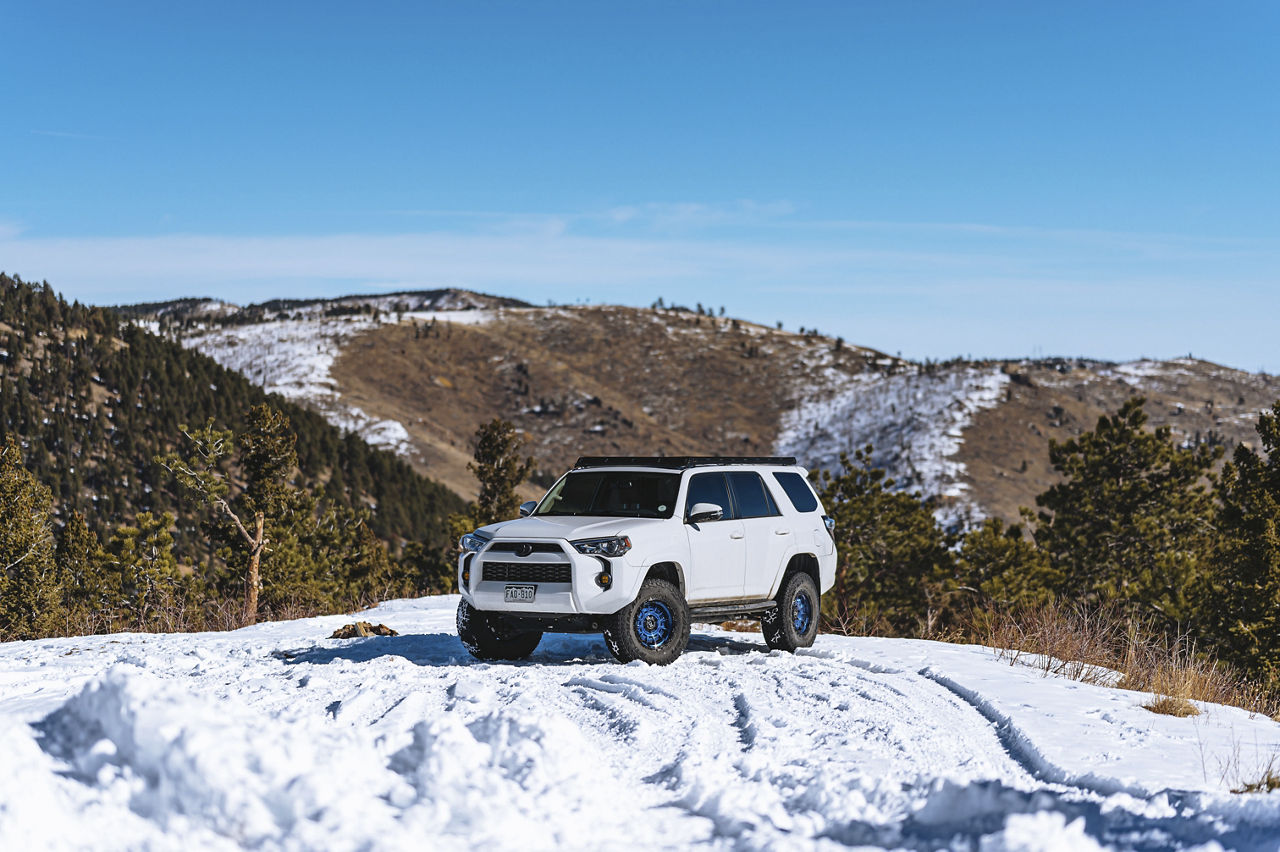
1109	811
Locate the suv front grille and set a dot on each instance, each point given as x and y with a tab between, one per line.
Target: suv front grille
525	547
527	572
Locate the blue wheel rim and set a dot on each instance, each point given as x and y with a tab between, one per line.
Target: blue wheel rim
654	624
801	613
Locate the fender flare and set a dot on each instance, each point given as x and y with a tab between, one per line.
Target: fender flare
789	566
639	573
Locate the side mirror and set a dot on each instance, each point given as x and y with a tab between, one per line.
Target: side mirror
526	509
705	512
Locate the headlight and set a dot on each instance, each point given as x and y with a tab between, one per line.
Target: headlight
472	543
615	546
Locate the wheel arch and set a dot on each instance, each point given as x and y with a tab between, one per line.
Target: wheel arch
804	563
669	571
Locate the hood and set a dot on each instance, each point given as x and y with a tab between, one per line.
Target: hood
569	527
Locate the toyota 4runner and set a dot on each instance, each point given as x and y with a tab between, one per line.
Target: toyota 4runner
638	548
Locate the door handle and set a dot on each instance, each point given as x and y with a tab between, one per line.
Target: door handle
736	535
782	532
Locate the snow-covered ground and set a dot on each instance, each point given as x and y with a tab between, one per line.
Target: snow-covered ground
914	419
277	737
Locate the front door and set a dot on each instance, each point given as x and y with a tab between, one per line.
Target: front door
717	549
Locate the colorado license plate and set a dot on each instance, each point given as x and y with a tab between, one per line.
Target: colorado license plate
519	594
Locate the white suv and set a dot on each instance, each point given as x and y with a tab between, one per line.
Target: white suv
637	548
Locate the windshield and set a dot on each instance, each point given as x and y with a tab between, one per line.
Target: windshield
620	494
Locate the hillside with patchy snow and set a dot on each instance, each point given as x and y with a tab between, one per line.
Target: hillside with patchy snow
275	737
914	421
419	372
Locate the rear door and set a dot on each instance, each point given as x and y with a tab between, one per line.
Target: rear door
717	549
769	536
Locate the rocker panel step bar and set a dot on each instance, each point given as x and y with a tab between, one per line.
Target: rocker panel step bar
727	610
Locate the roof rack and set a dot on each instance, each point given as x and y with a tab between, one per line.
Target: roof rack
680	462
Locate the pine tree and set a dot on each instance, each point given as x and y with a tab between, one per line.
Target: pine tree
1242	593
141	555
999	564
894	560
285	573
91	597
500	470
1132	519
31	587
203	472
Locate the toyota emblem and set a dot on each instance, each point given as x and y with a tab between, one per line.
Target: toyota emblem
524	549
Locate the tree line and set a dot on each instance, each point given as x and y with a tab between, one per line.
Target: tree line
100	532
1136	521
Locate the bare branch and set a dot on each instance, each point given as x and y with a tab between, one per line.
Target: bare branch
30	550
226	507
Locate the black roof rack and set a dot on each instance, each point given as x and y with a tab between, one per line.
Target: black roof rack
679	462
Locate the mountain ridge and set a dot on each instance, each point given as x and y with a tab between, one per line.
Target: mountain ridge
970	435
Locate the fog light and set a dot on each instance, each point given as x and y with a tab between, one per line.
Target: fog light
604	579
466	575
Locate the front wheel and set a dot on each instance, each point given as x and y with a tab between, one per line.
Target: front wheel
653	628
488	636
793	623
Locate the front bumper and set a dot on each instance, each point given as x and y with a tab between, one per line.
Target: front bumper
546	571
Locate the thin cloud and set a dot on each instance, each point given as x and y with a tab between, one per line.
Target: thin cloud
692	215
63	134
937	290
550	253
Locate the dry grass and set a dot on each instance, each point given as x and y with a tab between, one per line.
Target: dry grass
843	621
1107	646
1168	705
1268	782
1175	670
1068	641
176	615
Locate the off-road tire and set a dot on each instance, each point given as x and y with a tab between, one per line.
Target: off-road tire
653	628
793	623
488	636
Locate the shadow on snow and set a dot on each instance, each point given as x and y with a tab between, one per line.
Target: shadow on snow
445	649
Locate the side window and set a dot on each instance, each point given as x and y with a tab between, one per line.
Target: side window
709	488
798	491
752	497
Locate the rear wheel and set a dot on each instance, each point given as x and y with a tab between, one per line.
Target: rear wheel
489	636
793	623
653	628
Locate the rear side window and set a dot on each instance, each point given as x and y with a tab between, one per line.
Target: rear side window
798	491
752	497
709	488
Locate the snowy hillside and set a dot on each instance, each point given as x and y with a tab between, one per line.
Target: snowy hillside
914	419
277	737
596	380
291	354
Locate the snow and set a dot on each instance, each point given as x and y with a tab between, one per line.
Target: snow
274	737
294	356
1142	372
914	418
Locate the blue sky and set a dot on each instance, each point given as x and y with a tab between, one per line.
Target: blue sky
935	178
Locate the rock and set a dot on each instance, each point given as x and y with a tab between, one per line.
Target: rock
361	629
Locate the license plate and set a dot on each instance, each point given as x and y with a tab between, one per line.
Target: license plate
519	594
